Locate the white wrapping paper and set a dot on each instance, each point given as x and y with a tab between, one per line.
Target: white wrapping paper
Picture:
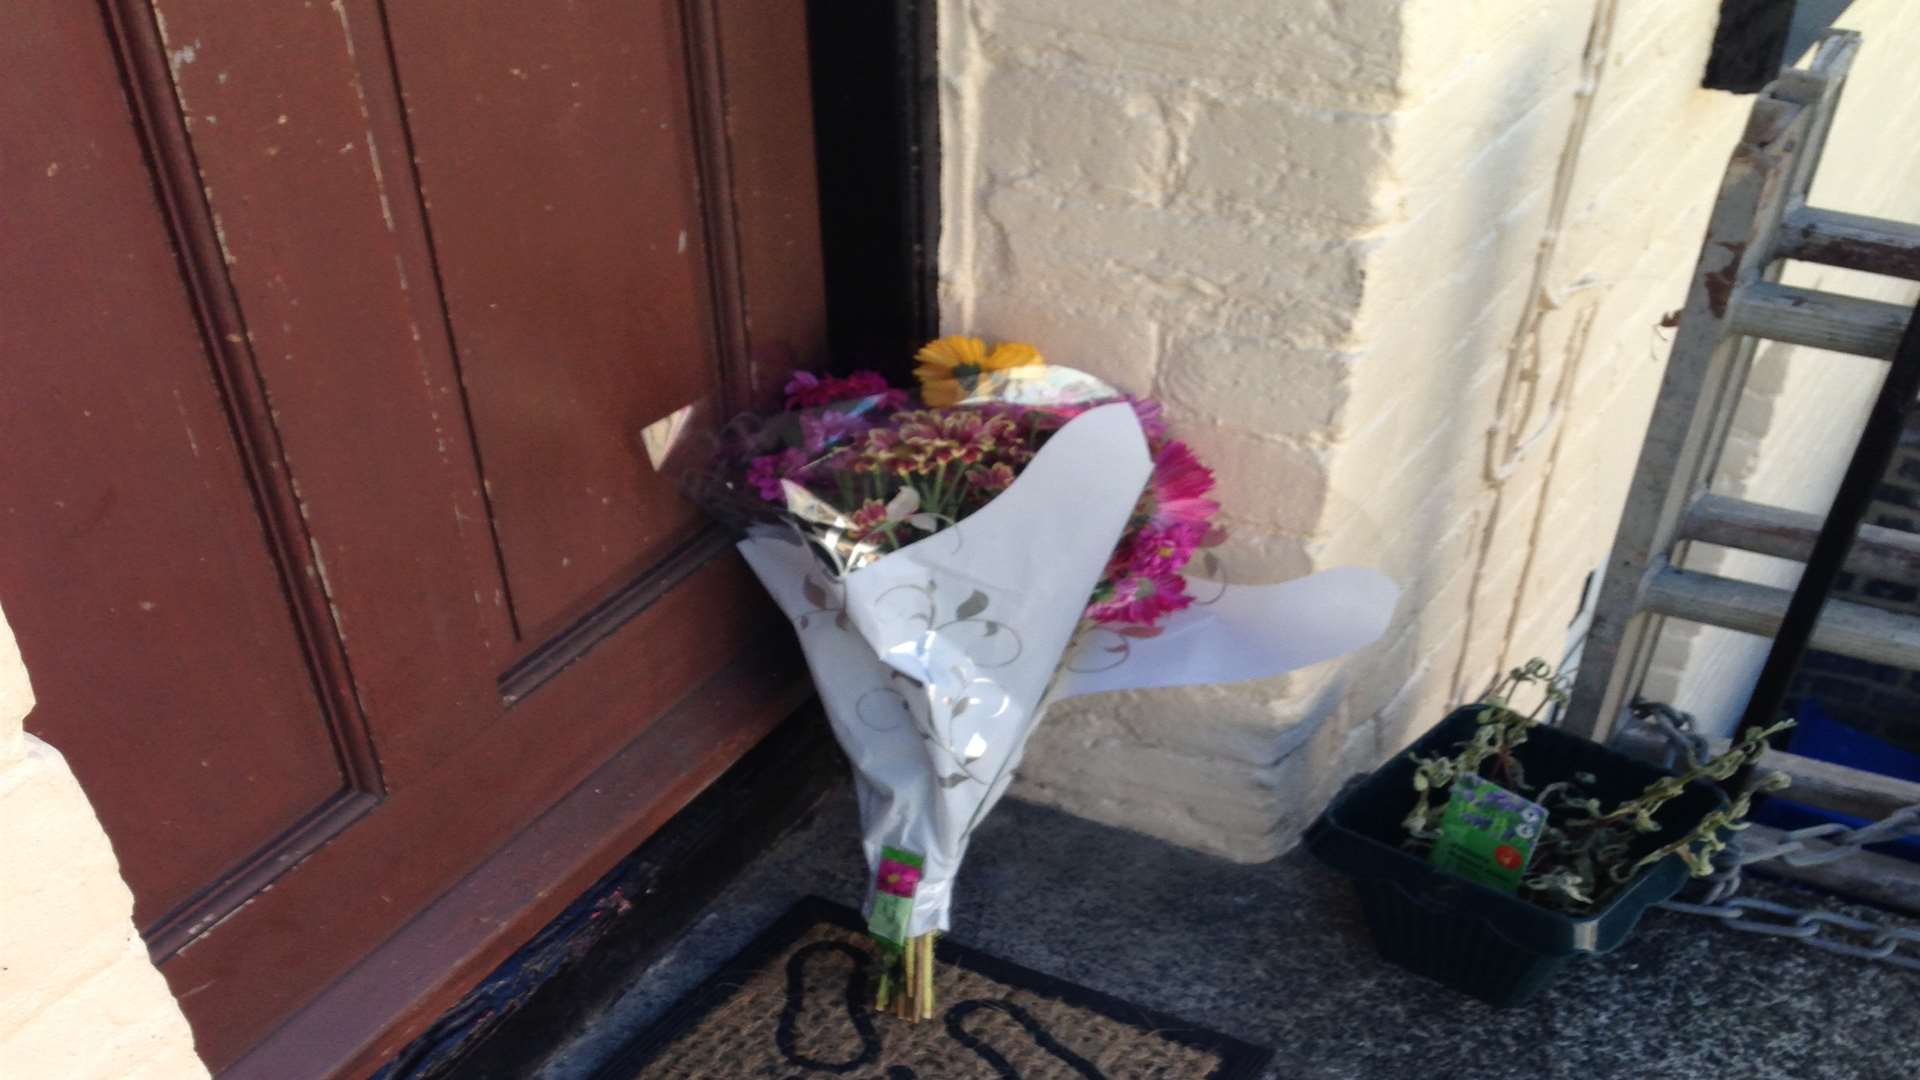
935	662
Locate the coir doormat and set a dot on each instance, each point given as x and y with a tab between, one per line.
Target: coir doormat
797	1004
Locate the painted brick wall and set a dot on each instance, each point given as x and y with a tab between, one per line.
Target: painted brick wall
1397	268
78	998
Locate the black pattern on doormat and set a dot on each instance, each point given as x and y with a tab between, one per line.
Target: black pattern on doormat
796	1004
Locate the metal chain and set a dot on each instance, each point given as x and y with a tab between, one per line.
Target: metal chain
1830	931
1792	848
1894	945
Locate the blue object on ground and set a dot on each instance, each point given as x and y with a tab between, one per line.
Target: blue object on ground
1819	736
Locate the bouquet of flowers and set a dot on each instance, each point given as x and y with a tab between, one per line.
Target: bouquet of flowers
1020	534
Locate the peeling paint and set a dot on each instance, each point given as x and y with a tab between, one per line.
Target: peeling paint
182	56
220	231
379	178
360	94
181	406
326	588
1719	283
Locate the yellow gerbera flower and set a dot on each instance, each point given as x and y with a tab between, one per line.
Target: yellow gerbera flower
951	367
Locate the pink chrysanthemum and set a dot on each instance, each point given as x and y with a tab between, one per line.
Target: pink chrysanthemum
871	515
1141	599
995	478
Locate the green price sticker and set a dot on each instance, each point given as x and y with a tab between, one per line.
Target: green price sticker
1488	834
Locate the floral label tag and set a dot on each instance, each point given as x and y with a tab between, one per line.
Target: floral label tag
893	889
1487	834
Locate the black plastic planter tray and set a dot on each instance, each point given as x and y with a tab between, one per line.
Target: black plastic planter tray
1494	946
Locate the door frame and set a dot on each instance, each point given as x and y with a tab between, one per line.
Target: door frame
876	94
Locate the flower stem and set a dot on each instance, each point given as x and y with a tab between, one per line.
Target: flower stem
926	975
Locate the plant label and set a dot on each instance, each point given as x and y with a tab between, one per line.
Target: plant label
1487	834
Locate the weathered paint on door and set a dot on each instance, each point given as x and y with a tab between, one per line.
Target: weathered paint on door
326	528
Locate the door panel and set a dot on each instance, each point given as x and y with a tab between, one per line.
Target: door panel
556	157
360	675
184	660
294	132
358	889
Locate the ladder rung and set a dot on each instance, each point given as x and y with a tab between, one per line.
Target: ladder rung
1821	320
1789	534
1847	628
1817	783
1855	241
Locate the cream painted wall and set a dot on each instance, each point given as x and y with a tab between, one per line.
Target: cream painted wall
1397	268
78	998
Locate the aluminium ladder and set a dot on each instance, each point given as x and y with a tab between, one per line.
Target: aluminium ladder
1760	219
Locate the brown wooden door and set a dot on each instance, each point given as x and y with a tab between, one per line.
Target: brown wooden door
327	527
